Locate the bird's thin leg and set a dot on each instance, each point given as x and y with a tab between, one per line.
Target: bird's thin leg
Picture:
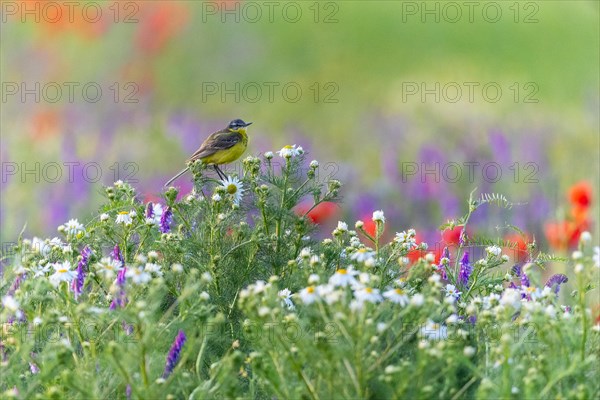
219	172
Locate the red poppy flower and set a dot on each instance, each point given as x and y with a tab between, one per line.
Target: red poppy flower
580	194
158	24
319	214
452	236
563	234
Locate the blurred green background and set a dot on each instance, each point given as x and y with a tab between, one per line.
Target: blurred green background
355	63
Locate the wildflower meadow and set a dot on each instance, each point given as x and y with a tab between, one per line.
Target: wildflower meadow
225	293
402	202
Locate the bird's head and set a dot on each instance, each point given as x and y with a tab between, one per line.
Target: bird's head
237	125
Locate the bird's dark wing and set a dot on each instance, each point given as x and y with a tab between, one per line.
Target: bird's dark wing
220	140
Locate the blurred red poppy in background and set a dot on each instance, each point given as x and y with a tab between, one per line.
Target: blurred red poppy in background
318	215
565	234
159	23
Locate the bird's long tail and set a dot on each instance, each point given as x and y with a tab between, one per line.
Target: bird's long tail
183	171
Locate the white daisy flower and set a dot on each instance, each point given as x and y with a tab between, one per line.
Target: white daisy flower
313	278
596	257
124	217
362	255
109	267
342	226
40	270
378	216
138	275
343	277
268	155
434	331
397	296
10	303
286	296
452	292
73	227
216	197
234	187
493	250
104	217
62	273
308	295
511	297
153	268
368	294
290	151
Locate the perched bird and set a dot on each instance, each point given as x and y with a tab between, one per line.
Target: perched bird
221	147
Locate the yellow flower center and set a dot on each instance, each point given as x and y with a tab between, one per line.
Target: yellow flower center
138	271
310	289
362	250
399	291
123	212
369	290
530	289
288	147
108	266
63	270
231	188
342	271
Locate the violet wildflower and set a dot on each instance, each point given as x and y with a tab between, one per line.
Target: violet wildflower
149	211
465	269
33	368
524	280
516	270
117	255
556	279
173	355
128	391
165	220
120	299
82	269
16	284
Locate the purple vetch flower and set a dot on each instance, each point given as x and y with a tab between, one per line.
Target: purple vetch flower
525	280
173	355
556	279
149	210
165	220
117	255
465	269
16	284
120	299
516	270
82	269
127	328
34	368
128	391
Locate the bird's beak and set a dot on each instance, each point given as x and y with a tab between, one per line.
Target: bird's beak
248	123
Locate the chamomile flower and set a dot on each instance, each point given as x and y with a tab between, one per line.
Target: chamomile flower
109	267
368	294
343	277
104	217
62	273
124	217
138	275
286	296
397	296
378	216
493	250
308	295
452	292
73	227
10	303
234	187
434	331
40	270
290	151
153	268
362	255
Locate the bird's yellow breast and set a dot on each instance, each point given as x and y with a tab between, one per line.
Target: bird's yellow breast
227	155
